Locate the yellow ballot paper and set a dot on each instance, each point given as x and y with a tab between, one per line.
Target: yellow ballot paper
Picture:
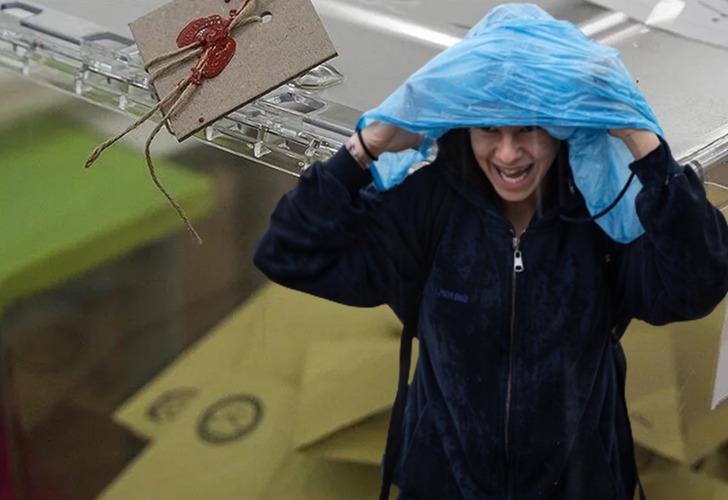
671	384
290	351
362	442
716	464
227	444
268	334
670	377
663	480
305	477
347	390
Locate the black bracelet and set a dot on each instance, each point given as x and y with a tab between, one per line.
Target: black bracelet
364	146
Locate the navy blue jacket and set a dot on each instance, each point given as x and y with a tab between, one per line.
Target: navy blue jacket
517	390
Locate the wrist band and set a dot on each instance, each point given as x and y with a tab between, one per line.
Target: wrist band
364	146
358	157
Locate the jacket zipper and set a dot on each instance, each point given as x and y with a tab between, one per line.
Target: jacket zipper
517	268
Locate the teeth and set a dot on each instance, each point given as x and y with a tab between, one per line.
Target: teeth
514	176
513	173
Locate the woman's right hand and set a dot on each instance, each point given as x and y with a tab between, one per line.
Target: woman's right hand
382	137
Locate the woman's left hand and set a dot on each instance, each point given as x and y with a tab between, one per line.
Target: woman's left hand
639	141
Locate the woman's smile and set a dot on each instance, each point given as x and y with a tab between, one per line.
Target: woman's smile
513	178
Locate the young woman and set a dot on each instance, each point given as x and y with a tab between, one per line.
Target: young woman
518	389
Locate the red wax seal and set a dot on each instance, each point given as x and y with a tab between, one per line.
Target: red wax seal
211	32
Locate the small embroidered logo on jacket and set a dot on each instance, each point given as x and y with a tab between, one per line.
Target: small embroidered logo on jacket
450	295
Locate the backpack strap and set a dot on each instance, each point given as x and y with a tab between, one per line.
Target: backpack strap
394	436
409	332
621	365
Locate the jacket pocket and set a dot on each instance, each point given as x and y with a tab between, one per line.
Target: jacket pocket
424	471
588	473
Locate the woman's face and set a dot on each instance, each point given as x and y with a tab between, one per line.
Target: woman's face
515	159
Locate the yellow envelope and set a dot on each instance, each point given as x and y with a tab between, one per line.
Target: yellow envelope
266	334
362	442
666	480
669	386
305	477
716	464
347	390
228	444
233	441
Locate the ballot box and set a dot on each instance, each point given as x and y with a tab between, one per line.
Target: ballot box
139	364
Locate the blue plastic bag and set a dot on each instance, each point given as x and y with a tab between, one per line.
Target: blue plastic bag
520	66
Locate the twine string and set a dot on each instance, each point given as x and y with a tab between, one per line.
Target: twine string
176	62
171	53
188	90
248	20
248	5
178	98
101	147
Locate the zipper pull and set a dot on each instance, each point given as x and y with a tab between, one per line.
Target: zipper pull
517	256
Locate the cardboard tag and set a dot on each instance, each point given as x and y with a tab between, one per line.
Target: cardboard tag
720	389
290	42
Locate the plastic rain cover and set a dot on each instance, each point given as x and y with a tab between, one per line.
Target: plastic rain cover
520	66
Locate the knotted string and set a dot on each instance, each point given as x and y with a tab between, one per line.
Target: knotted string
178	97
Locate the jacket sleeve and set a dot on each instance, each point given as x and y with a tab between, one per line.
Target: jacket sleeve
335	236
678	269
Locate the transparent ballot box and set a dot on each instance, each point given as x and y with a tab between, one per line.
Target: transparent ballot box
135	363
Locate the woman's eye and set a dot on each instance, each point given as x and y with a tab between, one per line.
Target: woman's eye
487	129
528	129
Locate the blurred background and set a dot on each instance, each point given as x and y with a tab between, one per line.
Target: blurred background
83	341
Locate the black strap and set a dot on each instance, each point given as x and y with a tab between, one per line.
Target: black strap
606	210
394	436
409	332
621	366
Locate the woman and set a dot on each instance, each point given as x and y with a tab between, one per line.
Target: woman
518	389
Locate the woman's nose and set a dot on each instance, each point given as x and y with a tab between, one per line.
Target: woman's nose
508	151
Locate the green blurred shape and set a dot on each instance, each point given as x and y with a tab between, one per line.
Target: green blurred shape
58	220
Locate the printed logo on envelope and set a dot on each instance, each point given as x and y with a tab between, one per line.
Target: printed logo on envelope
169	404
230	419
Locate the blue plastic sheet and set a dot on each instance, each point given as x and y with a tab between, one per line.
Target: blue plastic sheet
520	66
